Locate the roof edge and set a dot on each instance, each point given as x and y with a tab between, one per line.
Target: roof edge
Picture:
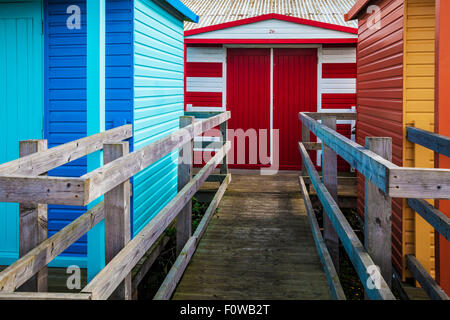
356	9
183	10
269	16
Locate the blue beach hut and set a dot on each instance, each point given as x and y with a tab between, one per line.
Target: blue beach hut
71	68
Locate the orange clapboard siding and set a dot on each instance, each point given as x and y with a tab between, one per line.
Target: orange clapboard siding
443	125
418	111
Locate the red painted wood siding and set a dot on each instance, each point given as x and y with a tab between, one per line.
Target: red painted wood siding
295	90
248	98
338	70
204	99
380	96
338	100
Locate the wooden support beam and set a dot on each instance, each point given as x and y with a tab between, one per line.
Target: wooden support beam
39	163
313	145
377	215
176	272
117	217
329	171
224	138
44	190
102	286
32	223
361	260
44	296
23	269
433	290
433	141
325	257
433	216
185	168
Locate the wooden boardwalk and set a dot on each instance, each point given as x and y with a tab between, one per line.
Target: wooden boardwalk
259	245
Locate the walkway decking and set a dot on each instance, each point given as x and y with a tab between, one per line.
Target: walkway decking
258	246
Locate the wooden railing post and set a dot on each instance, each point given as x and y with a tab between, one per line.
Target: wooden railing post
32	224
117	217
329	172
306	137
377	215
223	131
185	166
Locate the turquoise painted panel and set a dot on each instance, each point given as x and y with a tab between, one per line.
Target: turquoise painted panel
21	99
159	101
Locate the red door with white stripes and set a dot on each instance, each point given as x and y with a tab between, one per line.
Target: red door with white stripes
294	91
248	99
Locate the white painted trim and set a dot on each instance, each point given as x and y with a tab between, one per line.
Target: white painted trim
224	78
271	105
189	107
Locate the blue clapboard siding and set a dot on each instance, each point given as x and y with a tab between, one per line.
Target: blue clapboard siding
65	92
159	100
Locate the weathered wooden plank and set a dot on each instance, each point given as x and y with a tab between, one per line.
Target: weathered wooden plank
209	213
43	190
422	183
433	141
325	257
433	216
44	296
426	281
354	248
306	138
32	223
107	177
329	171
176	272
117	217
27	266
377	215
185	170
338	115
109	277
40	163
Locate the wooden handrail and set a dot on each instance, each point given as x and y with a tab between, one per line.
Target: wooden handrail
23	269
82	191
103	285
433	141
361	260
393	180
39	163
428	284
330	271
